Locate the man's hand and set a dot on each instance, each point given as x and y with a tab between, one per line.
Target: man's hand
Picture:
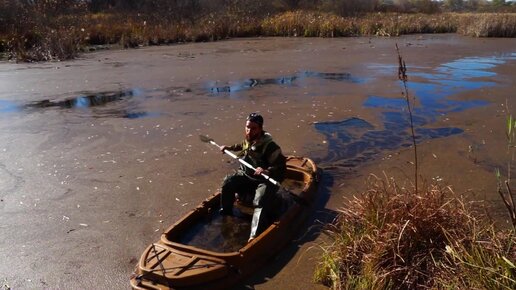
223	147
260	171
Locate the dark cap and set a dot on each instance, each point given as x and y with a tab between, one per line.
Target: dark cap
255	118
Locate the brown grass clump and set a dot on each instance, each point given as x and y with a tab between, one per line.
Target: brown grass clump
141	30
46	44
44	30
60	29
390	238
487	24
309	24
303	23
319	24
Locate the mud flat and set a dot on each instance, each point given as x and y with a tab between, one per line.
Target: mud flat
99	155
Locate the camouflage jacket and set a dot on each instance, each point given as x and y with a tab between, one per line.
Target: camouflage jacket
264	153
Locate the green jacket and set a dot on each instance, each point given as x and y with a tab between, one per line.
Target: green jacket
264	153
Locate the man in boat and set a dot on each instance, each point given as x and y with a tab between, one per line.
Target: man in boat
265	155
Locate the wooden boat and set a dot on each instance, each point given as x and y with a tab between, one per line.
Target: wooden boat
205	250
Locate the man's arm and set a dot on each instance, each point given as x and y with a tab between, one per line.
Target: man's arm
277	162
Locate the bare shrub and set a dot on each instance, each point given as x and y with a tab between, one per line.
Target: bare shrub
43	30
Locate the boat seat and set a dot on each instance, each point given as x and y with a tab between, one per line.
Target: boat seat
245	207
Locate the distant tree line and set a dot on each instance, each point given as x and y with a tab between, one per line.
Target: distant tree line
192	9
12	12
340	7
343	7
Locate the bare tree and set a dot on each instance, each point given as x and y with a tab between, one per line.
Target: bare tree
425	6
349	7
287	4
454	5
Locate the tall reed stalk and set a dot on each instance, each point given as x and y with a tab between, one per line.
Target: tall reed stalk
402	75
504	186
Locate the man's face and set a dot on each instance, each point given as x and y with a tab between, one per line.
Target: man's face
252	131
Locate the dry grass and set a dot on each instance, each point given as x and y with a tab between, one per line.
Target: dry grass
488	25
45	44
309	24
39	36
301	23
391	238
64	36
139	30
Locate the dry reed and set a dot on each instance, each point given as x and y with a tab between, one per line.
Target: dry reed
392	238
62	36
487	24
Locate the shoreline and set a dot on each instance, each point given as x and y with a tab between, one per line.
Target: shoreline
67	36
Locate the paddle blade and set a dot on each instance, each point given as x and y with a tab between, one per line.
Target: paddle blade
205	139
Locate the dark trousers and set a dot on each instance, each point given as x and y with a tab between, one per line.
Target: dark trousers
262	193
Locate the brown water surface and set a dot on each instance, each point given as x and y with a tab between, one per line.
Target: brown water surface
99	155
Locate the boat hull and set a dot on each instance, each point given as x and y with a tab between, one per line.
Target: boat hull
172	263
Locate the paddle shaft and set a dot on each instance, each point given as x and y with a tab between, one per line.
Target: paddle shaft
246	164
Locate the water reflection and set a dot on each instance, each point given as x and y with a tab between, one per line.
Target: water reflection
8	107
354	141
296	79
88	101
139	115
122	104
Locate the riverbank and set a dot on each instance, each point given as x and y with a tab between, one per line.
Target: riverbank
48	37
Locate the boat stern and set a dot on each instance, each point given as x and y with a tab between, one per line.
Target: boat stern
162	267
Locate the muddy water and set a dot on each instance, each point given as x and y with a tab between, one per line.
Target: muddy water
99	155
